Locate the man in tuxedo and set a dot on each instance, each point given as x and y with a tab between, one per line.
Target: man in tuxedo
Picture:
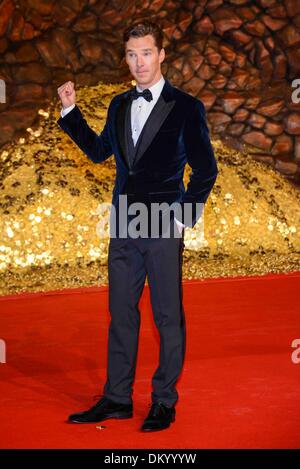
153	130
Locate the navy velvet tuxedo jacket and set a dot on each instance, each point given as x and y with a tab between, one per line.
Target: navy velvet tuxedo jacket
174	134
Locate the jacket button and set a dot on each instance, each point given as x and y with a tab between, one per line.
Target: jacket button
131	173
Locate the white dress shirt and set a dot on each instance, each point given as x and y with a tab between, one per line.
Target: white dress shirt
140	111
141	108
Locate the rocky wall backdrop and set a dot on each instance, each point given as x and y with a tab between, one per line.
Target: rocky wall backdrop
240	57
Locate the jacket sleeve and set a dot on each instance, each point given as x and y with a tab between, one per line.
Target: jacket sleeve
200	156
97	147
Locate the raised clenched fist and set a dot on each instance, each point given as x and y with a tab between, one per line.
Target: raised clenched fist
67	94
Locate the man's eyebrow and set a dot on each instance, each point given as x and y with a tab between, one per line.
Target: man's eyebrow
132	50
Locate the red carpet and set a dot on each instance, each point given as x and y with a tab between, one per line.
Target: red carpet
239	388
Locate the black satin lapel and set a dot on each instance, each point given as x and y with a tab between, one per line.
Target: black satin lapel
155	120
121	127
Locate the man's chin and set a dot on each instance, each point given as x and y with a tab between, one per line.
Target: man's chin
143	80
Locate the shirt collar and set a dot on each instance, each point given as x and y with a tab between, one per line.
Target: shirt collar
156	88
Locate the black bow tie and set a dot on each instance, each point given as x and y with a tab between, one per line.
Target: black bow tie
134	94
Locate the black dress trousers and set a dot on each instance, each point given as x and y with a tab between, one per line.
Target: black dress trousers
129	261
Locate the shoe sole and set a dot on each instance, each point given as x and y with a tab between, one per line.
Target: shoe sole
114	416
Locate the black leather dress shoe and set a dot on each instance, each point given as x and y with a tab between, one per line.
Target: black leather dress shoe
159	418
102	410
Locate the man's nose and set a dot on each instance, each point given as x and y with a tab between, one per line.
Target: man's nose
139	61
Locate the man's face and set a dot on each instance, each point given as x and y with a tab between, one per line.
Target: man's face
144	60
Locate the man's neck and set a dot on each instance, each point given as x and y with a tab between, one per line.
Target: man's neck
148	85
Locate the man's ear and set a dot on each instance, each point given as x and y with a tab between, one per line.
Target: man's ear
162	55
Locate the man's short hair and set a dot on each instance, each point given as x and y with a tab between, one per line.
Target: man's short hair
143	28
